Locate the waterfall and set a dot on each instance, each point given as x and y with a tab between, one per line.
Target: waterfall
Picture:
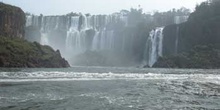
84	22
103	40
177	39
95	42
111	39
89	22
44	39
57	22
154	46
28	20
178	20
75	39
79	32
74	23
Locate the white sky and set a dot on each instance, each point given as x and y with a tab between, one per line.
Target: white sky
59	7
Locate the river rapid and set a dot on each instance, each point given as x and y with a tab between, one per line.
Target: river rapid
105	88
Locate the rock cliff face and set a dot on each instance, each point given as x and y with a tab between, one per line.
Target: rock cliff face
195	43
17	52
191	34
12	21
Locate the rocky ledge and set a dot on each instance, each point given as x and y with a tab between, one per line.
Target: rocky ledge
16	52
203	56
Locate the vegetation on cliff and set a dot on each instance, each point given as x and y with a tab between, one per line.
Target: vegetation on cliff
199	39
12	21
204	56
15	52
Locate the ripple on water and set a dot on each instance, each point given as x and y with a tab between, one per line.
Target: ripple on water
109	90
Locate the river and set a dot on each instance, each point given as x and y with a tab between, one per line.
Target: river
105	88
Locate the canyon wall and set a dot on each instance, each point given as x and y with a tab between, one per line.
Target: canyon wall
12	21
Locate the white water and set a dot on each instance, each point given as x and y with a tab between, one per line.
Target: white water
68	76
28	20
120	89
76	39
95	42
177	40
154	46
44	39
179	20
157	74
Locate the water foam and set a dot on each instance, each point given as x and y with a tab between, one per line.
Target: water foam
69	76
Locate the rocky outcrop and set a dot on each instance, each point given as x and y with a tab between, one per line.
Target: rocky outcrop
199	57
195	43
12	21
15	52
202	28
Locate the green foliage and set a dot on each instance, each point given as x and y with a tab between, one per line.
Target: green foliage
166	18
202	28
12	21
4	8
139	25
201	56
206	10
198	39
135	16
15	52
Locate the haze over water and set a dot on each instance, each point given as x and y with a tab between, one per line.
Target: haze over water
107	88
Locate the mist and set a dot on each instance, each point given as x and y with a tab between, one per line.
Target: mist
128	37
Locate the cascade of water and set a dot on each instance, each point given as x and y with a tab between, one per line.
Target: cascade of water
29	21
103	40
177	40
95	42
77	40
154	46
111	39
73	40
123	43
44	39
178	20
57	22
35	20
74	23
84	22
89	22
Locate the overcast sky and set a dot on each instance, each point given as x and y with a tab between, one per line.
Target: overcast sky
59	7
